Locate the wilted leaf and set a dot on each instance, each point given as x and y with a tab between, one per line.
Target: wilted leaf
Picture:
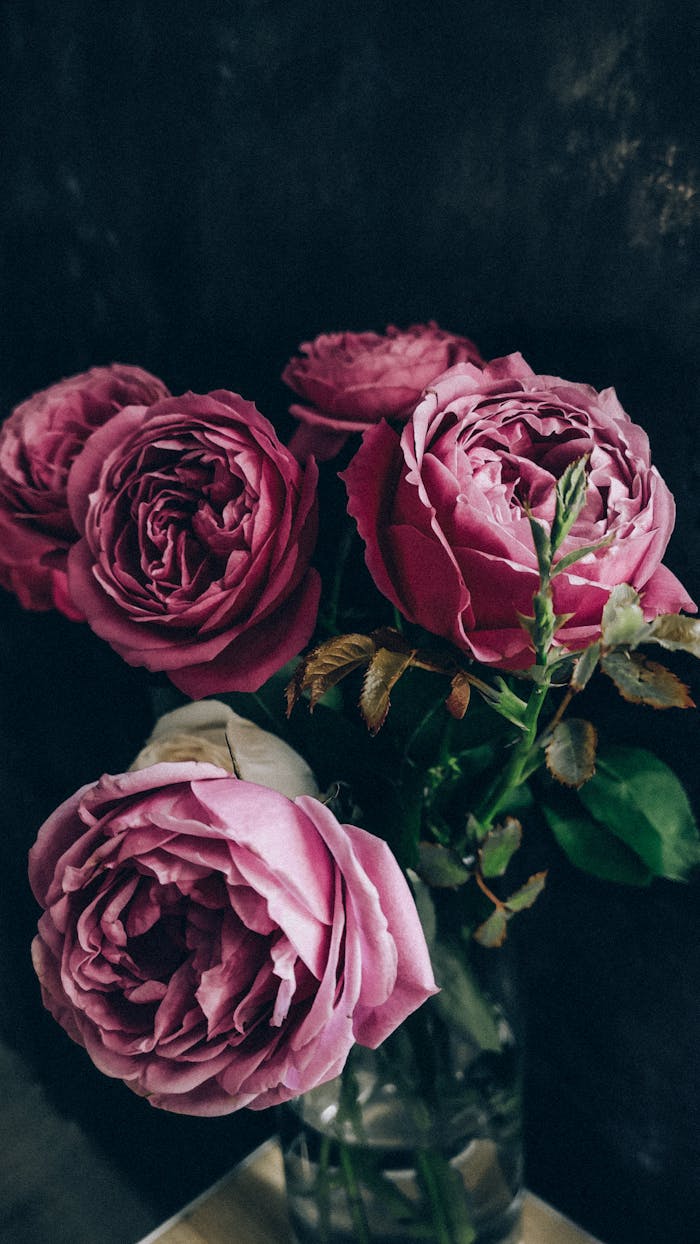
622	621
672	630
383	672
642	802
457	701
526	895
439	866
593	848
585	667
492	932
499	846
571	752
326	665
645	682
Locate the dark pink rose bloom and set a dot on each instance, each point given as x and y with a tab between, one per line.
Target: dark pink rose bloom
197	530
38	443
440	508
351	380
215	944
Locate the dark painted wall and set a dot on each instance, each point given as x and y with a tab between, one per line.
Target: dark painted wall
198	187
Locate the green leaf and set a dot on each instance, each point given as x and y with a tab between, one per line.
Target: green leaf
571	752
585	667
642	802
499	846
588	845
439	866
577	555
526	895
645	682
570	497
672	630
492	932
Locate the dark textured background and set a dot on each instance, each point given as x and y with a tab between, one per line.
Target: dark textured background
198	187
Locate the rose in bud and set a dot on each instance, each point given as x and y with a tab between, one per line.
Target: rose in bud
209	730
215	944
38	443
349	381
442	506
197	529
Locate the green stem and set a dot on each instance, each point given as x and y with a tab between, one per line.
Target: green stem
324	1191
521	762
354	1196
329	620
446	1196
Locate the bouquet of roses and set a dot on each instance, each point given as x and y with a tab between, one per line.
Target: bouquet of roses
411	598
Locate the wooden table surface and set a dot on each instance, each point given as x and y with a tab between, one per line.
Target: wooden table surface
248	1207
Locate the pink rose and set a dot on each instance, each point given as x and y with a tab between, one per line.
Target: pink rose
197	529
38	443
351	380
215	944
440	508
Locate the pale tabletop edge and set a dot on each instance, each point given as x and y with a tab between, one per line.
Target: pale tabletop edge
250	1200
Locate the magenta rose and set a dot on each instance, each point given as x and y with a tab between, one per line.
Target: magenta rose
215	944
197	529
440	507
38	443
348	381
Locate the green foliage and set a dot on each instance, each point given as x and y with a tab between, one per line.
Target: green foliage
590	846
499	846
641	801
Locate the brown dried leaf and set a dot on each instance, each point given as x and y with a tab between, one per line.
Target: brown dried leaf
645	682
383	673
571	752
457	701
327	664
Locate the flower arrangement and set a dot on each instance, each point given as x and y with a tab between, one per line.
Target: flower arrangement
412	623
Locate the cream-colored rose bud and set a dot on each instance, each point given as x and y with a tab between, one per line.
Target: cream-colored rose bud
210	731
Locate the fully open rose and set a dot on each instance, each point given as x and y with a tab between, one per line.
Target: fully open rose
197	530
348	381
216	944
38	443
440	506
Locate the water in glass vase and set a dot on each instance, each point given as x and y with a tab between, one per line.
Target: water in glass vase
418	1140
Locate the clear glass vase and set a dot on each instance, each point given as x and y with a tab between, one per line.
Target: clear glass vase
417	1140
